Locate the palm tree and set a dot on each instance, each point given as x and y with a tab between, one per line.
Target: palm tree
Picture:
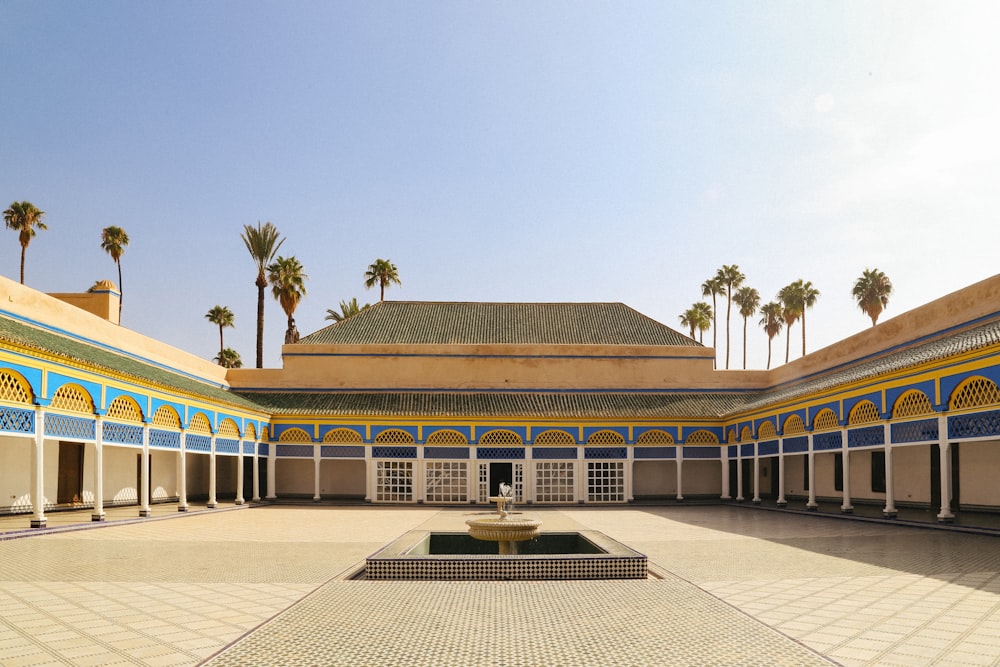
382	272
221	317
287	280
689	318
748	300
25	219
229	358
772	318
347	309
872	291
113	241
809	297
263	244
729	276
713	288
790	297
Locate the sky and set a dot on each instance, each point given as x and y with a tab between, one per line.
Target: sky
502	151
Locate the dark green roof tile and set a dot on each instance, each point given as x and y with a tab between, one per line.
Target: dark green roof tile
446	323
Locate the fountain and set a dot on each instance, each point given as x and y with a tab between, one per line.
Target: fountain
502	529
505	548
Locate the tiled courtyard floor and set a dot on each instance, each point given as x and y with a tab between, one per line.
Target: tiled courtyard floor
267	586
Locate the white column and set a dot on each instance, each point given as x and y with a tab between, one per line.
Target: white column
756	472
944	447
811	504
890	489
144	476
272	453
38	519
680	473
98	512
316	462
529	477
629	466
213	501
256	471
781	473
182	494
420	476
370	473
846	507
739	474
580	476
239	472
725	473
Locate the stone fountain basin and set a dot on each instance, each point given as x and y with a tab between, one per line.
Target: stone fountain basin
440	555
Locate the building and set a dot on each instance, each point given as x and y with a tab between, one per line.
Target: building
438	403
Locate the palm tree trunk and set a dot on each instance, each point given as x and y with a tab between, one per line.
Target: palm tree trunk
769	353
803	332
23	248
121	292
788	342
260	324
221	346
744	343
729	308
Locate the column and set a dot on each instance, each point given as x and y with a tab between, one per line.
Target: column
944	447
239	472
846	507
725	473
213	501
680	473
529	477
182	495
756	472
629	466
316	461
739	474
370	473
420	476
272	453
811	505
144	476
890	491
256	471
38	519
98	512
781	473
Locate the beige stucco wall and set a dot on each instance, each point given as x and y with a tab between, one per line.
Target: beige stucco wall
654	478
294	477
702	477
102	304
911	473
342	478
979	466
34	306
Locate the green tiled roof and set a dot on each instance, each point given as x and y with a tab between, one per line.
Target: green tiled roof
443	323
934	350
611	405
103	359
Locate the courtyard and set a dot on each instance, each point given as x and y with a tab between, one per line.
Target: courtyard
272	585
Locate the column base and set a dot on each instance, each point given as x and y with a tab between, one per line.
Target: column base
782	503
812	508
946	518
679	499
38	523
97	517
239	501
847	510
182	508
756	501
889	514
145	513
211	505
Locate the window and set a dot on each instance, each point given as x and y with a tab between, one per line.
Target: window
878	471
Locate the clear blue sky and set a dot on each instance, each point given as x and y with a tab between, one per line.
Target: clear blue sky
502	151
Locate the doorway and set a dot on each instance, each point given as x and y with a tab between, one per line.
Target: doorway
500	472
936	477
70	487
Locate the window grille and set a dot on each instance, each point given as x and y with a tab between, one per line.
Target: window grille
912	403
165	416
555	481
394	481
394	436
655	437
294	435
124	409
72	399
343	435
766	430
500	437
447	481
227	429
605	481
864	412
199	424
447	437
702	438
13	389
605	438
794	425
825	420
554	437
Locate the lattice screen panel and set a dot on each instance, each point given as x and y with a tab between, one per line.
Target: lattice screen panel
228	429
605	438
166	417
555	482
294	435
13	389
702	438
447	481
794	425
746	435
199	424
394	481
124	409
913	403
347	436
554	437
974	393
766	430
447	437
500	438
655	437
864	412
605	481
826	420
394	436
72	399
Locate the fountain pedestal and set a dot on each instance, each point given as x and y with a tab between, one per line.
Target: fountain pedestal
502	529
